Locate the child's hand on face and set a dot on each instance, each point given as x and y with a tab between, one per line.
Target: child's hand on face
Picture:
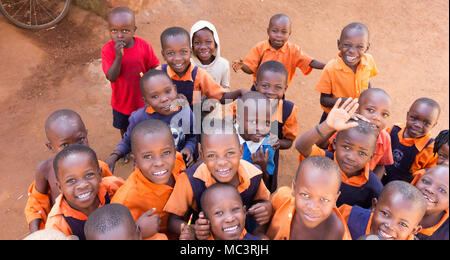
261	158
202	227
237	65
187	232
338	117
149	224
261	212
119	48
187	156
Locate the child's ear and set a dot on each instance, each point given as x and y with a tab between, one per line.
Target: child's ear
245	209
374	203
293	187
416	230
368	46
133	157
58	185
49	146
333	144
241	150
338	43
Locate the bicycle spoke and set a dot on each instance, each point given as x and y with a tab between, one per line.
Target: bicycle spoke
46	10
19	9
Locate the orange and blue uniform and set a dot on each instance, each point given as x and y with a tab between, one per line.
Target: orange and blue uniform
284	209
410	154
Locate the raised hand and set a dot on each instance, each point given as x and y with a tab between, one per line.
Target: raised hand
338	117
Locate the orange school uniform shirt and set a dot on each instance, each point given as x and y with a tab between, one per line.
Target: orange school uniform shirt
139	194
182	197
39	205
203	83
284	207
62	209
291	55
425	158
383	151
339	80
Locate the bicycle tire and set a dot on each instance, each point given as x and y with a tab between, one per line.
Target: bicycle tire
46	25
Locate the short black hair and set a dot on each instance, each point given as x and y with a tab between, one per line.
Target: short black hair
375	90
279	16
408	192
274	66
121	10
221	126
441	139
150	74
149	126
431	102
107	218
73	149
321	162
355	25
212	189
172	32
363	127
64	114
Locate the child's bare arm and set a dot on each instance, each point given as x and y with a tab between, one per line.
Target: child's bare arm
114	71
315	64
232	95
336	121
240	65
41	176
327	100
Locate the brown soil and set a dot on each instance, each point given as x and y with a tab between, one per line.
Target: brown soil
60	68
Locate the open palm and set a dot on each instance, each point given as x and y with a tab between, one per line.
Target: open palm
340	114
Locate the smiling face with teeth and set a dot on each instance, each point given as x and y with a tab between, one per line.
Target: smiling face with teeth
154	154
159	92
352	45
177	53
434	187
224	209
79	178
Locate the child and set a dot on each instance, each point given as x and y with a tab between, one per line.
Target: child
123	59
441	148
189	79
412	144
114	222
395	215
375	106
253	125
159	95
434	186
62	128
354	147
79	179
221	153
206	52
49	234
157	167
223	208
307	211
278	48
347	75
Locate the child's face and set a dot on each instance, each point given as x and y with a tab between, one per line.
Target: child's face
353	150
177	53
154	154
352	45
222	156
204	46
272	84
65	132
256	124
226	214
159	93
434	187
279	31
79	180
121	28
395	218
315	195
443	155
420	119
377	108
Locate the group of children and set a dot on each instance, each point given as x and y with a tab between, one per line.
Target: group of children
356	176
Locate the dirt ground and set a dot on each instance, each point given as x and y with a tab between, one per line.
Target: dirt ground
61	68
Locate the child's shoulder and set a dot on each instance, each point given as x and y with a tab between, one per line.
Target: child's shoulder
44	168
336	225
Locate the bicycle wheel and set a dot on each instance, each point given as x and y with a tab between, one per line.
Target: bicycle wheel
34	14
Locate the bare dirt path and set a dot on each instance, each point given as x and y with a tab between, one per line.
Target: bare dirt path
60	68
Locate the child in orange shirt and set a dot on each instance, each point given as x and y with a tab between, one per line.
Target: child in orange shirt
157	167
395	215
114	222
79	178
441	147
62	128
223	207
348	75
375	106
308	209
221	154
278	48
412	144
354	148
